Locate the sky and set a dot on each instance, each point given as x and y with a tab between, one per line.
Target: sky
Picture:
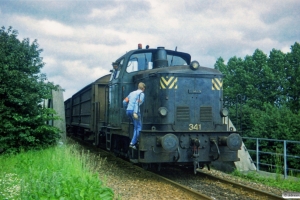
81	38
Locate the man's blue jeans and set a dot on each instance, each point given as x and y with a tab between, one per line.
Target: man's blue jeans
137	123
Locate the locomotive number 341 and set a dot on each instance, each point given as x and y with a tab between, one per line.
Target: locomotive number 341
194	127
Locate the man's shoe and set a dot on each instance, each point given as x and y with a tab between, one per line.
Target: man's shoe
132	146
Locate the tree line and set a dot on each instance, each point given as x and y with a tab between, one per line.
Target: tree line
262	93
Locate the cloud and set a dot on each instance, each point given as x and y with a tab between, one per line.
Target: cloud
80	38
73	75
104	13
53	28
45	27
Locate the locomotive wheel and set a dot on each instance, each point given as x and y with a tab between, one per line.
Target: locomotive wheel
129	154
208	166
145	166
116	153
196	166
159	167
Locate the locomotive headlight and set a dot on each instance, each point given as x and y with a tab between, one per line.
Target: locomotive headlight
224	112
194	65
163	111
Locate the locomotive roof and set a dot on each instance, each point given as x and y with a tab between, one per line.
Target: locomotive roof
186	56
175	69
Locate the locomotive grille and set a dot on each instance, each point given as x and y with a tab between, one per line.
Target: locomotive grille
183	113
206	114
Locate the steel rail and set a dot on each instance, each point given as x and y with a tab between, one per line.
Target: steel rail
243	187
191	192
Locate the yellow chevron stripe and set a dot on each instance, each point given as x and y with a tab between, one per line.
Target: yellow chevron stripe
168	82
174	84
217	84
162	85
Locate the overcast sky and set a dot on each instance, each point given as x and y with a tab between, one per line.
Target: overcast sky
80	38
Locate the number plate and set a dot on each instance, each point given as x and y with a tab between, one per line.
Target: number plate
193	127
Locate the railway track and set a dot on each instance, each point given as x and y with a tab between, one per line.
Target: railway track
127	166
256	192
165	183
191	192
223	188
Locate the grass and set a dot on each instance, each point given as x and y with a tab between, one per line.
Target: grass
61	172
290	185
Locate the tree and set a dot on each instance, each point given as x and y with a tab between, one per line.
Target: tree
278	65
262	80
270	90
22	90
293	74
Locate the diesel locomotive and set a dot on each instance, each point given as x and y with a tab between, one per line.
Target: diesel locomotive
183	119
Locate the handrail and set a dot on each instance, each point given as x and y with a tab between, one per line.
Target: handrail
284	154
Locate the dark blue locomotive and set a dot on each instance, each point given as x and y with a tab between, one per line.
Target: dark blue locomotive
183	116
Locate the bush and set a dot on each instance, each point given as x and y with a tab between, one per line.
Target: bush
22	90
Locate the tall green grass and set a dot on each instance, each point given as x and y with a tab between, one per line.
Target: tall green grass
56	173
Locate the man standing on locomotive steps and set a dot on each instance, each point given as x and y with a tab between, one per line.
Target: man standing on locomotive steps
133	102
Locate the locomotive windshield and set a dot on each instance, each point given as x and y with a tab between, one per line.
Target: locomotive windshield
174	60
144	61
139	61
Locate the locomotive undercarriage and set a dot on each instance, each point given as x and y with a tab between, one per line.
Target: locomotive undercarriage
81	133
155	148
197	149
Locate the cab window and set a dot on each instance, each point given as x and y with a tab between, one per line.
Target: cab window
139	61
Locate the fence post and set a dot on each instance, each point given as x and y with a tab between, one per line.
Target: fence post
285	159
257	155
